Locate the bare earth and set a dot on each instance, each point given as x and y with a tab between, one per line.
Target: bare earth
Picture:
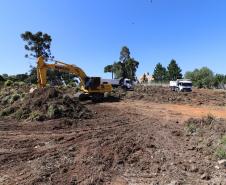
126	142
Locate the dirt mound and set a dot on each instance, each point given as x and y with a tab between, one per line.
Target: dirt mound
165	95
44	104
9	95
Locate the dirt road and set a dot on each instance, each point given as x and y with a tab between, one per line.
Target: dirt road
175	111
127	142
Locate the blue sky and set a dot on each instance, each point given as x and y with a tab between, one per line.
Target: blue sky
90	33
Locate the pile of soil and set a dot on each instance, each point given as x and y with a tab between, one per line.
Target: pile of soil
165	95
45	104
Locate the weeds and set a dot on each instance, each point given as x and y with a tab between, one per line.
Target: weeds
221	153
191	128
7	111
221	150
207	120
37	116
223	140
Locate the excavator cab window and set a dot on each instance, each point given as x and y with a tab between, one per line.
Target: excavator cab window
92	82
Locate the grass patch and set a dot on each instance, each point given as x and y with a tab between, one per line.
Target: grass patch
191	128
221	153
221	150
223	140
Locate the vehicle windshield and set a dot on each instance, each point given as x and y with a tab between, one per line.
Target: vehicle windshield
128	81
186	84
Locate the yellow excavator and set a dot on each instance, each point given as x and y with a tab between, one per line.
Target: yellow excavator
89	86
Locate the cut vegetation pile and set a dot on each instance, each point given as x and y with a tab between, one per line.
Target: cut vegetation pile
207	135
165	95
44	104
9	95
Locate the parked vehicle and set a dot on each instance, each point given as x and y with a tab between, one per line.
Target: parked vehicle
125	83
181	85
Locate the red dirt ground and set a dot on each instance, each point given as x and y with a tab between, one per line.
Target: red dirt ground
127	142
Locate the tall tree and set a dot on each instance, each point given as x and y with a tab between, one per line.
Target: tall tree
124	54
109	69
117	70
174	71
131	66
160	73
126	66
38	44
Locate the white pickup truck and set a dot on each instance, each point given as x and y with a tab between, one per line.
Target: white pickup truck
125	83
181	85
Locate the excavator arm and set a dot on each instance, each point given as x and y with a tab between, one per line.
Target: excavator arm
90	85
42	67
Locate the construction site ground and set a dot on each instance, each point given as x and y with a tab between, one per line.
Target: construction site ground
132	141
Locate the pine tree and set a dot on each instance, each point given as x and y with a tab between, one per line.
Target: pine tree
174	71
160	73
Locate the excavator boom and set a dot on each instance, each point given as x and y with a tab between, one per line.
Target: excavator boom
90	85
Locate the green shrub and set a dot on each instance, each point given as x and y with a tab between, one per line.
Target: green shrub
191	128
201	78
15	97
37	116
8	83
53	112
22	113
6	100
221	150
19	83
7	111
223	140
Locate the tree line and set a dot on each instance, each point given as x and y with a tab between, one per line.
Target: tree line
39	44
201	78
205	78
172	72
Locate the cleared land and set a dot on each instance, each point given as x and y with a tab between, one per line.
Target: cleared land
141	139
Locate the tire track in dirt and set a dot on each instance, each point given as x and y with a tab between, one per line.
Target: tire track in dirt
126	142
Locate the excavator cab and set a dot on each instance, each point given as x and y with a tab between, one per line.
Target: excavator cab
92	82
